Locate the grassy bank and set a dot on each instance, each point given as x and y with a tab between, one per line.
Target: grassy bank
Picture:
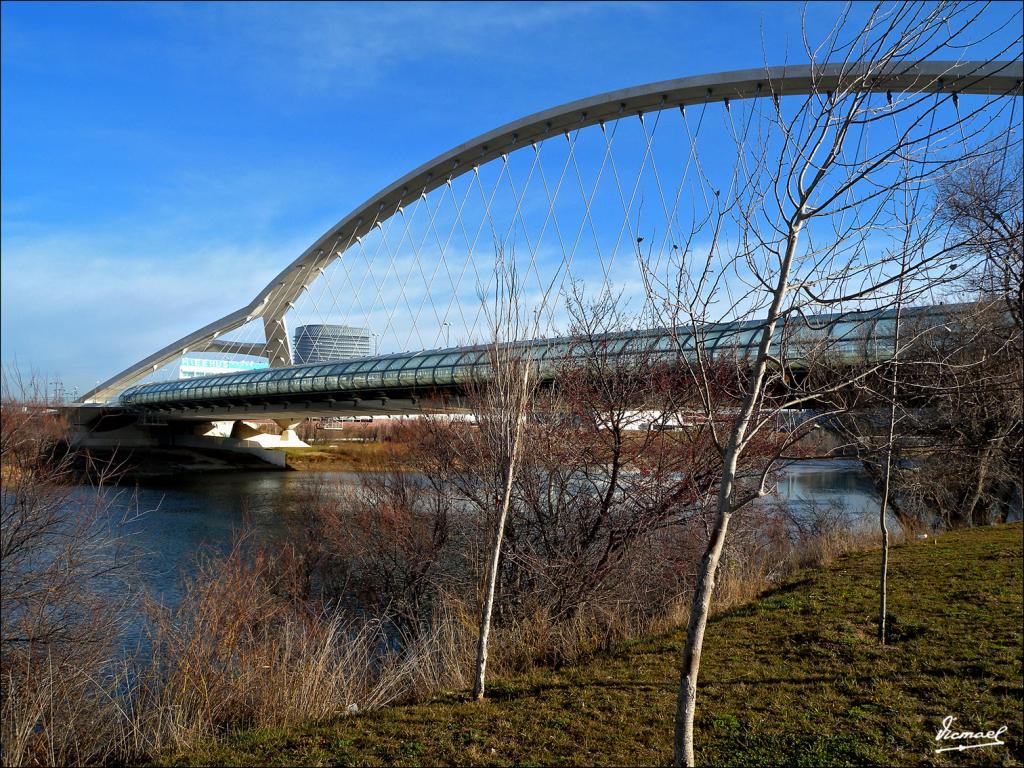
354	456
794	677
380	447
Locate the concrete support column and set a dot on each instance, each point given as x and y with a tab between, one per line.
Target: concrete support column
243	431
214	428
288	430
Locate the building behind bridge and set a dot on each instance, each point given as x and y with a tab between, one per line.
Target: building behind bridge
191	366
325	343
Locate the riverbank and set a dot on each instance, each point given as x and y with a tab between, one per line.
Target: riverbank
794	677
354	456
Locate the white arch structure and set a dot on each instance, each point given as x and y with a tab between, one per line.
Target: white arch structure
988	78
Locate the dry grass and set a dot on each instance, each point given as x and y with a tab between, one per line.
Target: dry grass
346	457
240	651
60	560
243	652
794	678
62	712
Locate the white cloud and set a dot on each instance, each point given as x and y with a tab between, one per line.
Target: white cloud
73	304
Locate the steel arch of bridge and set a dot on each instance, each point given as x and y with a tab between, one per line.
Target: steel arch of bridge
271	304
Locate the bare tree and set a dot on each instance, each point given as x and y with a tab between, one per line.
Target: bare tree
379	540
59	548
883	508
803	227
506	397
957	457
618	459
960	455
982	204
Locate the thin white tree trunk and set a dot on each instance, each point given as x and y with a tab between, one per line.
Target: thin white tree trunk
492	580
771	198
511	407
686	704
883	580
883	522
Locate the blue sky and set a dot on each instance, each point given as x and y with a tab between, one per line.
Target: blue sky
160	162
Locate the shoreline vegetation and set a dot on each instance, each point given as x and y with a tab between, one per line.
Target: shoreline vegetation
269	638
793	677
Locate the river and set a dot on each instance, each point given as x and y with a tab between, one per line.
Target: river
170	520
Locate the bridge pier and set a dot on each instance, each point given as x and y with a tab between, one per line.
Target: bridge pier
289	439
247	435
177	445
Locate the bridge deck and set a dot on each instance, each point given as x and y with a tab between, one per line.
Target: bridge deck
850	337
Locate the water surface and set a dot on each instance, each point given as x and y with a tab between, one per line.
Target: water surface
170	520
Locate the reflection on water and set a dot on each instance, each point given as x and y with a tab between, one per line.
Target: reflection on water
839	485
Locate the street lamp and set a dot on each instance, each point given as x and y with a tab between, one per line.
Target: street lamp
447	328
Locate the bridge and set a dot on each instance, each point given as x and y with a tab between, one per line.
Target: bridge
403	382
592	193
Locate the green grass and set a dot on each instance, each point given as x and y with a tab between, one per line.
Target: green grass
795	677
